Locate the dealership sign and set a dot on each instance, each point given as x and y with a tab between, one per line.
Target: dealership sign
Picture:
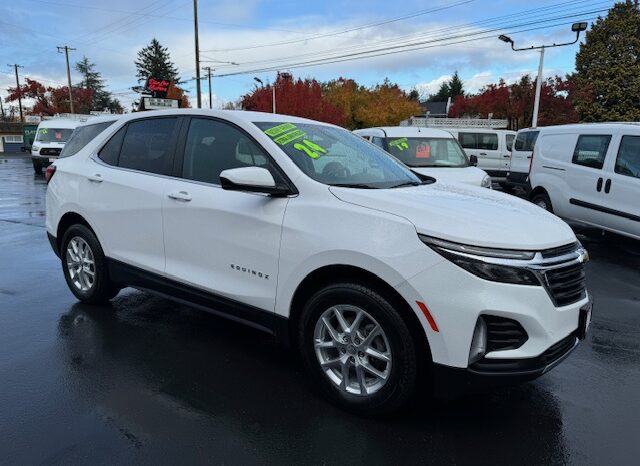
158	87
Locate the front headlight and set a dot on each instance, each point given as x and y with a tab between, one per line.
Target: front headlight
486	182
496	265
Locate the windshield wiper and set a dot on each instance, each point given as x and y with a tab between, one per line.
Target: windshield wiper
354	185
408	183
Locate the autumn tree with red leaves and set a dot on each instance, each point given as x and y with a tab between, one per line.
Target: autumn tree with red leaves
514	102
51	100
303	98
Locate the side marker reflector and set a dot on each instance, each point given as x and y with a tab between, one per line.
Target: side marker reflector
427	314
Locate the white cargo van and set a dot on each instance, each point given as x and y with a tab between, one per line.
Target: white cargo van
590	174
492	147
51	137
521	154
428	151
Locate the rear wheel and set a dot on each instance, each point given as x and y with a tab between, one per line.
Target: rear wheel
358	349
37	165
542	200
84	266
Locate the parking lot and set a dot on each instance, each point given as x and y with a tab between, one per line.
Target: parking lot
148	380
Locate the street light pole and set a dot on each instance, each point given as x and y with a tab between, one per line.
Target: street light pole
66	49
575	27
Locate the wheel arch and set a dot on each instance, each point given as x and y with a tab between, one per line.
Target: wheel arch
66	221
538	190
328	274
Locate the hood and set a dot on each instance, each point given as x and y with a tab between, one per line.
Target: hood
466	175
466	214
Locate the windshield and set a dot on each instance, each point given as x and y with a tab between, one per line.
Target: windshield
53	134
428	152
337	157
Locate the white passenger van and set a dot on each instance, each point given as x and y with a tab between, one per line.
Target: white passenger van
428	151
51	137
590	174
521	154
492	147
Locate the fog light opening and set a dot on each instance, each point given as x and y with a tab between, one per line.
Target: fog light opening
479	341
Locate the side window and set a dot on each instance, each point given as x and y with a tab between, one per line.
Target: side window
147	145
468	140
487	141
82	136
378	141
110	151
510	138
591	150
213	146
526	141
628	160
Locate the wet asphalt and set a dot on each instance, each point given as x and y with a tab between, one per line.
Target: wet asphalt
146	380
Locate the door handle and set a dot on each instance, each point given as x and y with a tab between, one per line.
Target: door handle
96	178
607	186
482	153
180	196
599	185
507	156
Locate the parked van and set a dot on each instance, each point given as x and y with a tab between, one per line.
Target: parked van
590	174
492	147
428	151
51	137
521	153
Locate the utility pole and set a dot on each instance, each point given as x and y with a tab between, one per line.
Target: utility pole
536	102
66	49
208	68
15	67
195	29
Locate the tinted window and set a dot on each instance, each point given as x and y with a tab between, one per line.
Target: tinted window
110	151
487	141
591	150
510	138
213	146
378	141
526	141
428	152
628	161
147	145
467	140
82	136
336	156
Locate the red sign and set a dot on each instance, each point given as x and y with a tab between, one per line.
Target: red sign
156	85
423	151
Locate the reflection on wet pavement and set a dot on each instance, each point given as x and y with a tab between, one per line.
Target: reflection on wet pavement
148	380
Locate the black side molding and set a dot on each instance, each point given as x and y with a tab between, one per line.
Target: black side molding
54	243
261	319
606	210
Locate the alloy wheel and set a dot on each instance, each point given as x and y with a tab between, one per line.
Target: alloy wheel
352	349
80	264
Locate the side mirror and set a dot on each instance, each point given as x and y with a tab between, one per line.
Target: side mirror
473	160
251	179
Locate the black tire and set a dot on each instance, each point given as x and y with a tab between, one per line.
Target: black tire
542	200
506	187
37	166
403	374
102	289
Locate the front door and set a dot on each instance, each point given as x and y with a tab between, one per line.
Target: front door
223	242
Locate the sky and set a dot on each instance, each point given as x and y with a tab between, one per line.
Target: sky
243	39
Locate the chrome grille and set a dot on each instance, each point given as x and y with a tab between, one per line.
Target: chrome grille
566	285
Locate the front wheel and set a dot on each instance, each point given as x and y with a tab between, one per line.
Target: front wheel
542	200
84	266
358	349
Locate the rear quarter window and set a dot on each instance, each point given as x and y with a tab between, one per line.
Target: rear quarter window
526	141
591	150
82	136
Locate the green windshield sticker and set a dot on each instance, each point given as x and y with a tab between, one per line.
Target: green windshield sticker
290	136
44	131
312	149
276	130
399	143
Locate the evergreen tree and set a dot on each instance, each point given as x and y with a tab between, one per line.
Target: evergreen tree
154	61
92	79
451	88
607	74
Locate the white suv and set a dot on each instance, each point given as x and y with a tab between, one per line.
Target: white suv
307	231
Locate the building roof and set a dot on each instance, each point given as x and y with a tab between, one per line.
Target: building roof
434	108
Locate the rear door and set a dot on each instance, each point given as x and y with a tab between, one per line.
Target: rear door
123	191
622	186
522	151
